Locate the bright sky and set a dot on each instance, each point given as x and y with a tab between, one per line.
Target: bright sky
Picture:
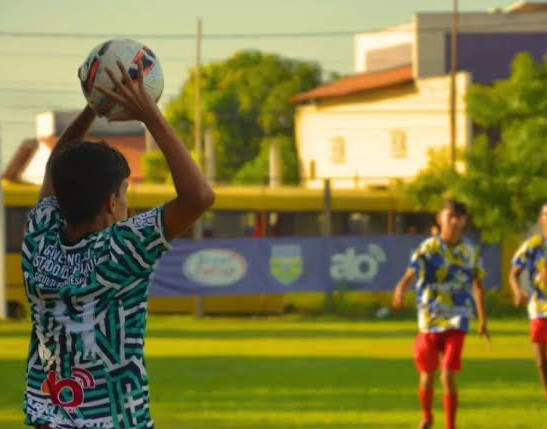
39	73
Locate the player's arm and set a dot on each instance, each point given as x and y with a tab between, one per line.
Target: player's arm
520	297
480	299
543	272
194	194
76	130
402	288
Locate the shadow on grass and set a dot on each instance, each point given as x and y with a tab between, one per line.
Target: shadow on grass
275	333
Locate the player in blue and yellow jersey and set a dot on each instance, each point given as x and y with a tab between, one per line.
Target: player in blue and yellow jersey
449	292
532	257
87	269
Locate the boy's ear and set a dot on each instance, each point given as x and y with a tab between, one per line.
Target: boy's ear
110	204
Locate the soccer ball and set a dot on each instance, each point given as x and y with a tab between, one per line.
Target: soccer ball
129	52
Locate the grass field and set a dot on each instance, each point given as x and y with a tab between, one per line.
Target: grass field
290	373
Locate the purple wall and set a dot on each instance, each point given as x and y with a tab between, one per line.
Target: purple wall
488	56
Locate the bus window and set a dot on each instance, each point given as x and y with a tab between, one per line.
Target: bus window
16	218
291	224
414	223
340	224
367	223
224	224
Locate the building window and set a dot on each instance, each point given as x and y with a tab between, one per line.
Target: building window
398	144
338	150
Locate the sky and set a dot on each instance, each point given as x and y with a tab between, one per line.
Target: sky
39	73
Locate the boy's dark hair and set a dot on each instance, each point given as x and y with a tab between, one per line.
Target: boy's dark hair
84	175
456	206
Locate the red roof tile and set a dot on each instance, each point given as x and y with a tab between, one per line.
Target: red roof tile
359	83
132	148
527	7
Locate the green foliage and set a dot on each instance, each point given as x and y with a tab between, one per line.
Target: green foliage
245	101
257	170
503	180
155	167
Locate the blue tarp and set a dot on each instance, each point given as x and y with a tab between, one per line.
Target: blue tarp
272	266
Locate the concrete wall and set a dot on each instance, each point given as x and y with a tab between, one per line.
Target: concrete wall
383	50
489	41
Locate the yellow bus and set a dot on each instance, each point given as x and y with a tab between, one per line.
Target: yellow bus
237	212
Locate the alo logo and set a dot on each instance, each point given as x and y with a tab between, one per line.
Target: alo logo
59	389
357	267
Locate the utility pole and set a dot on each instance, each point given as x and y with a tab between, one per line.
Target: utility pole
3	244
327	231
198	141
197	128
198	144
453	89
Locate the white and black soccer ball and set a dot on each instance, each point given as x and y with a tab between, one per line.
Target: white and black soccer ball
129	52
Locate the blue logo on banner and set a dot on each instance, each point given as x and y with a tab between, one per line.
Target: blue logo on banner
272	266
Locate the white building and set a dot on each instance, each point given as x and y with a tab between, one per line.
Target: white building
381	123
368	137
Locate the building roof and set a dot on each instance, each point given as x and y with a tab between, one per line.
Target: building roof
526	7
53	123
358	84
20	159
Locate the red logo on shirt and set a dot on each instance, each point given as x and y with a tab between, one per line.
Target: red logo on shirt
82	379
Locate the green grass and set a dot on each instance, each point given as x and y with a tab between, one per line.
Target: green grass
291	373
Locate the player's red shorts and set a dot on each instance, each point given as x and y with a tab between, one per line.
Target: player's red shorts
429	345
538	330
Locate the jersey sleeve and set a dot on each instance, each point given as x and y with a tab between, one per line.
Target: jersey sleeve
139	242
417	260
45	216
521	256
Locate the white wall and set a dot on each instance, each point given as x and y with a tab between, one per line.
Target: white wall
36	168
398	41
367	125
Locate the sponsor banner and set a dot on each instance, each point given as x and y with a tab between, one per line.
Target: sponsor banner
274	266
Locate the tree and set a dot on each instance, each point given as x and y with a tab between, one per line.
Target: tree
155	167
245	101
504	181
256	171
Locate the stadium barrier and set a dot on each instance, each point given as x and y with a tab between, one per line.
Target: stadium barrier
263	266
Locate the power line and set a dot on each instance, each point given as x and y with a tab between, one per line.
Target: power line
42	54
58	91
37	107
234	36
177	36
25	123
184	60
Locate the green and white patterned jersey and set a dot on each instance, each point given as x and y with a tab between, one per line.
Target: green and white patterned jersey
88	302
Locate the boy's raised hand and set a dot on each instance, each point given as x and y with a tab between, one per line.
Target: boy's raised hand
131	95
